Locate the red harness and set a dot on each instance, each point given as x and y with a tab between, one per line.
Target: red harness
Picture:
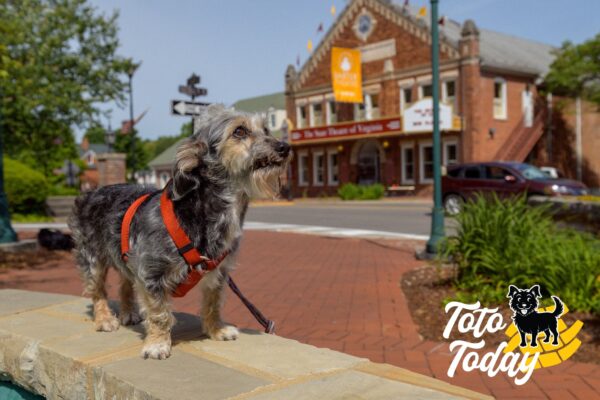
198	264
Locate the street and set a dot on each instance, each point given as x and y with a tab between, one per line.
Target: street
407	217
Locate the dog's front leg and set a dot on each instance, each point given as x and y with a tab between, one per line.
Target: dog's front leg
523	339
158	321
534	338
212	300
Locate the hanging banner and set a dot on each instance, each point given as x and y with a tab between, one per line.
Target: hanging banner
346	75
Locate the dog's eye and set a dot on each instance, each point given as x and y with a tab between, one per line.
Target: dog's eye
240	132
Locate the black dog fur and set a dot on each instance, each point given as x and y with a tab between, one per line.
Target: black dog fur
524	303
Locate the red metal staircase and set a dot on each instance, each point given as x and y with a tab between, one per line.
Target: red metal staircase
522	140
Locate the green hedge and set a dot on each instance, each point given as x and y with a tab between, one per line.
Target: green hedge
25	188
504	242
350	191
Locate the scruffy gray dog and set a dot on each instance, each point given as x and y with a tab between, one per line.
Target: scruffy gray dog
228	160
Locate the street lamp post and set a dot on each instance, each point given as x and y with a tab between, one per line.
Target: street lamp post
109	138
7	233
437	214
133	67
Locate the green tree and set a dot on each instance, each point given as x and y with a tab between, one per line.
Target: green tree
58	62
95	133
576	70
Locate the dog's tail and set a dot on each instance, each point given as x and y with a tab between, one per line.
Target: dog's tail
559	308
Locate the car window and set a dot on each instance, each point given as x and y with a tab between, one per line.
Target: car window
472	173
492	172
454	172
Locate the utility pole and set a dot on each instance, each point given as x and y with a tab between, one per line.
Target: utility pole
132	162
7	233
437	213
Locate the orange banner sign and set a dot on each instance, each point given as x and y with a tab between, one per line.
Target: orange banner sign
346	75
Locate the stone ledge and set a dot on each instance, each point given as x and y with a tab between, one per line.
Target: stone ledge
48	346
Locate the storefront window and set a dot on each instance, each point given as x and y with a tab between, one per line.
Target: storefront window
426	163
318	168
332	168
425	91
303	169
372	106
408	164
450	153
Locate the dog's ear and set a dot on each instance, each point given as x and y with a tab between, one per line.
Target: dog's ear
188	158
535	290
512	290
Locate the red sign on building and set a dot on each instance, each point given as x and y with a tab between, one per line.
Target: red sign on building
348	129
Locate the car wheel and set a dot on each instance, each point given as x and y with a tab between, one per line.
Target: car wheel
453	204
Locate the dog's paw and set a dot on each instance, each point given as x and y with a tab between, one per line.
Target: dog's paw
107	323
523	344
130	318
157	350
227	332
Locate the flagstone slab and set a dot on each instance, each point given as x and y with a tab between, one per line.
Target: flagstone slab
48	346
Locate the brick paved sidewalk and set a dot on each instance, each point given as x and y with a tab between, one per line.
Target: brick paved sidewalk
343	294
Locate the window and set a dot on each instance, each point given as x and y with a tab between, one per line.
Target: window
450	153
407	175
426	163
449	93
301	116
500	99
302	169
498	173
472	173
454	172
372	106
316	114
273	120
331	113
425	91
318	168
359	111
332	168
405	98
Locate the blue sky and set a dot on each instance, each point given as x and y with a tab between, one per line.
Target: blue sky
241	48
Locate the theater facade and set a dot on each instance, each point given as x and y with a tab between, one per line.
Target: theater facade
488	93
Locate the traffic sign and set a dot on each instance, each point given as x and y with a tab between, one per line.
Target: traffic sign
181	107
193	91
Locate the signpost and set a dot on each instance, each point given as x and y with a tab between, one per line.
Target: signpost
179	107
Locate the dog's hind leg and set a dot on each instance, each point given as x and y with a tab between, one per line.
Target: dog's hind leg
547	333
129	314
94	278
158	320
554	335
212	300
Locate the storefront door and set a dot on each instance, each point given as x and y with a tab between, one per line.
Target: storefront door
368	164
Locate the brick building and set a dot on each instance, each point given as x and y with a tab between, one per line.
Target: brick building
489	83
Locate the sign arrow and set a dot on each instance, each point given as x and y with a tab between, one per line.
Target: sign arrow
181	107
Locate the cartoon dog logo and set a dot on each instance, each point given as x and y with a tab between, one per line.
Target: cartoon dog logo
524	303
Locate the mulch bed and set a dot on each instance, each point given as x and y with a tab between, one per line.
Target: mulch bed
428	288
31	259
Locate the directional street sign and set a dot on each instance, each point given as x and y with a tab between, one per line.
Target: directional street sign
181	107
193	91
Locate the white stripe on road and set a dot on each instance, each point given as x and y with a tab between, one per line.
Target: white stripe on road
265	226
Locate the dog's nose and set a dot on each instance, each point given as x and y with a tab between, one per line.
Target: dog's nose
282	148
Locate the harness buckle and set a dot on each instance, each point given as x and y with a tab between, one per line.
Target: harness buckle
202	266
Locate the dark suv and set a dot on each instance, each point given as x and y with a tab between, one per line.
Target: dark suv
462	181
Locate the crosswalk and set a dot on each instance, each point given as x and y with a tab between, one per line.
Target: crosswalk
272	227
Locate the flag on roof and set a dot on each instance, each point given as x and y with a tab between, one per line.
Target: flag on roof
309	45
422	12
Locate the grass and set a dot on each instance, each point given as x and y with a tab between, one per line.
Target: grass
504	242
29	218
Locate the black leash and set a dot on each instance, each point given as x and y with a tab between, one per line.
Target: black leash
268	324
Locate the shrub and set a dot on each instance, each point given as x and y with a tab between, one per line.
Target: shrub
25	188
350	191
504	242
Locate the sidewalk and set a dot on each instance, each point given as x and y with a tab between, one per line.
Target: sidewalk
342	294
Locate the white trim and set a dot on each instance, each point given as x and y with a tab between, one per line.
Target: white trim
329	97
406	82
316	98
374	88
299	123
504	99
424	79
422	146
420	89
445	144
445	93
403	146
311	113
315	154
301	102
328	105
302	180
449	75
330	180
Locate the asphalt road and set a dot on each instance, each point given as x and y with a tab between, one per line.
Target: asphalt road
397	217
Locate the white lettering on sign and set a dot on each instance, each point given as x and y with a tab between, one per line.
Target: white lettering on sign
419	117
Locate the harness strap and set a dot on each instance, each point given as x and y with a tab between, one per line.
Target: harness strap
126	224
